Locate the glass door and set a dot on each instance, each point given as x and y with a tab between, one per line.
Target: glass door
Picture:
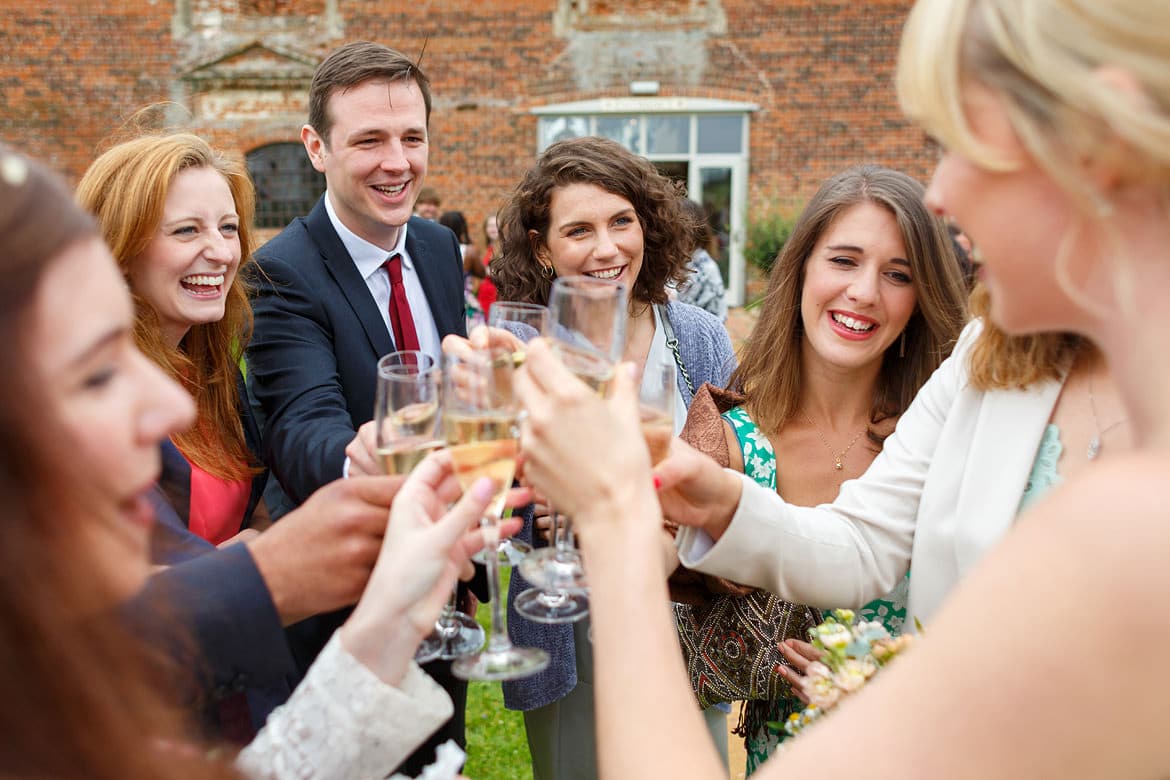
722	191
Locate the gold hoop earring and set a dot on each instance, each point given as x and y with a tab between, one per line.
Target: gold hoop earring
547	271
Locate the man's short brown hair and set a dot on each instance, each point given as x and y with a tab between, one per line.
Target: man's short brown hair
356	63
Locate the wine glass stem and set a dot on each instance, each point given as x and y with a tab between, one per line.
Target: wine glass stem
446	622
498	639
565	541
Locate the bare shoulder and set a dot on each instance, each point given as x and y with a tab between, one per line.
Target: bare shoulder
1130	491
1115	519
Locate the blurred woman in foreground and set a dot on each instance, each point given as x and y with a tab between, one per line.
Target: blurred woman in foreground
82	416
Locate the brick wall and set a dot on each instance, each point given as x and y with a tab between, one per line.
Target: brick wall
821	73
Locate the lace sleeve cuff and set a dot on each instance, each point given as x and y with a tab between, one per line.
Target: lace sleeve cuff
343	722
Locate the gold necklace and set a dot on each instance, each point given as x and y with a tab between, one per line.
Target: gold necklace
838	457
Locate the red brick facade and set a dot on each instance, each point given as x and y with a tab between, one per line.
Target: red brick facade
820	73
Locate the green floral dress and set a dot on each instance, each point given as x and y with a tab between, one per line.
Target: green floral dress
759	463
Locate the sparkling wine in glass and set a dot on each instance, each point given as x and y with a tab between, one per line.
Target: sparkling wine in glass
479	425
407	410
588	331
523	322
656	404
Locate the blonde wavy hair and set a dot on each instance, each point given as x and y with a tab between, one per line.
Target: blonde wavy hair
1079	80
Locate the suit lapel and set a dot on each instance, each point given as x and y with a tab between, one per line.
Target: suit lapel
341	267
429	267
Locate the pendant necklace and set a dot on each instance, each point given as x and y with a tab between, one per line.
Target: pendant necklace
1094	448
838	457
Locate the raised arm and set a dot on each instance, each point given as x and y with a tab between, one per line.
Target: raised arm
864	537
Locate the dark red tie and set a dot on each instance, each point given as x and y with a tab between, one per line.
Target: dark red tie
401	323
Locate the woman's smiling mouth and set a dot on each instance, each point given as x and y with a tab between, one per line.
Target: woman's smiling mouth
607	273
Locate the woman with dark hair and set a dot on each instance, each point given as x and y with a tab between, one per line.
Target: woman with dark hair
591	207
863	303
704	288
457	224
82	416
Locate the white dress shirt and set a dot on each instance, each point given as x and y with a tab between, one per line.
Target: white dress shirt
369	259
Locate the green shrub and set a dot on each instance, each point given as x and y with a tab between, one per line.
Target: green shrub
766	235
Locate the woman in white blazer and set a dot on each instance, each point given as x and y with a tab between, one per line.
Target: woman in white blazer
945	489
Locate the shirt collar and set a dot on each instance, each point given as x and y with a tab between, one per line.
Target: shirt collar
366	256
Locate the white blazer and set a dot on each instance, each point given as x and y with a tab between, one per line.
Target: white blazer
945	489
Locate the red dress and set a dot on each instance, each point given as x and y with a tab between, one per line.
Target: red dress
217	505
487	290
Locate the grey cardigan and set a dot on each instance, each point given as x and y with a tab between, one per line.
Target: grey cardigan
707	354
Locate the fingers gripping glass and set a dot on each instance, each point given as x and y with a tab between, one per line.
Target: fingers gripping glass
407	411
524	321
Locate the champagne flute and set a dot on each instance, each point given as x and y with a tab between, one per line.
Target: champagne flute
657	398
406	416
525	321
479	423
588	329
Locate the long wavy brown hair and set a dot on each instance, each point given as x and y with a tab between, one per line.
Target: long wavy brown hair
126	189
657	200
76	696
769	371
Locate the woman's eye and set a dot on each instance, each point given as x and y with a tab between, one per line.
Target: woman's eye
623	220
577	231
848	261
230	228
99	379
186	230
900	277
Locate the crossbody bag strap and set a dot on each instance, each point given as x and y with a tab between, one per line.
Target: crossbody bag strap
672	345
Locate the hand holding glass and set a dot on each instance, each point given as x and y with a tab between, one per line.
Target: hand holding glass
407	410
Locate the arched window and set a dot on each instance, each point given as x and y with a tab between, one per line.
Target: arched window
287	184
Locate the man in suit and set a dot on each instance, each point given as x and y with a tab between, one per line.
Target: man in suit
230	605
354	280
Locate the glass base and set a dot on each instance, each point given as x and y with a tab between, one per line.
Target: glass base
511	552
429	649
559	606
545	569
507	663
459	636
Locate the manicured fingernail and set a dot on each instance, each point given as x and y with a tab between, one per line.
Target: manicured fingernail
657	482
483	489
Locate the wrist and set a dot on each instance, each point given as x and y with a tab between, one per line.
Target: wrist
282	588
725	504
384	641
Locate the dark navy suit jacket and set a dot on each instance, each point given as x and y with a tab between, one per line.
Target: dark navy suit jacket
212	609
312	367
318	335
